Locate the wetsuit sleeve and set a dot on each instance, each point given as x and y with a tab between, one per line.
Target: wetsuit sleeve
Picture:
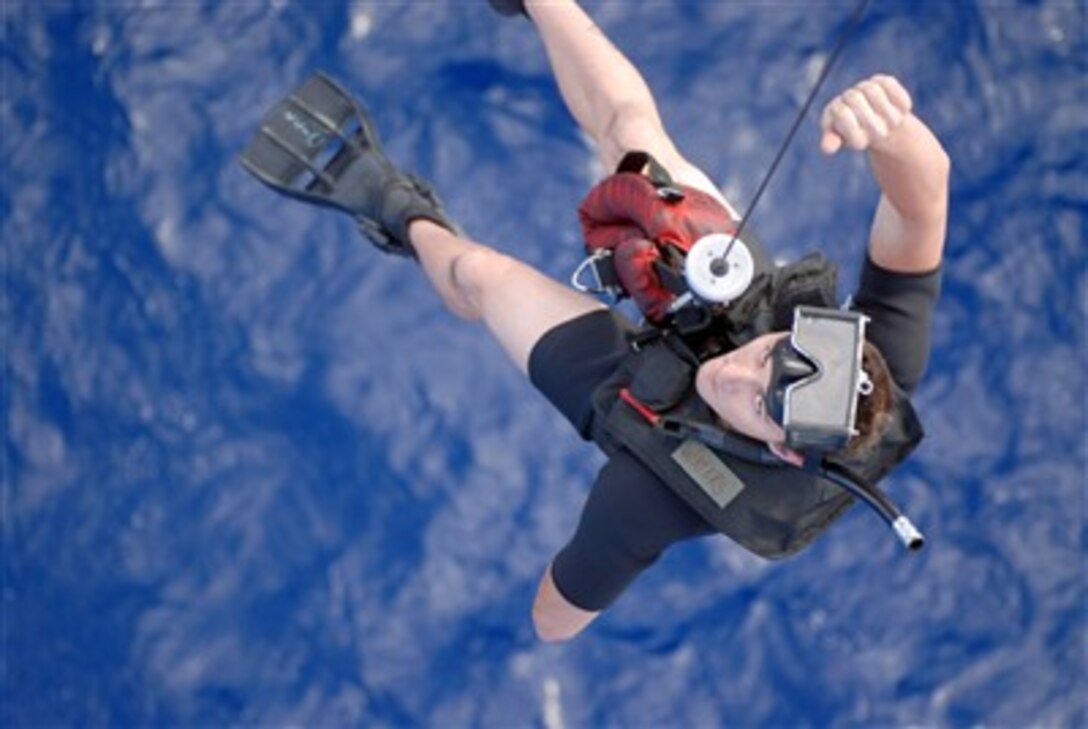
629	519
900	306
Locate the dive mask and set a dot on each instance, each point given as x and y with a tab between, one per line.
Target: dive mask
816	379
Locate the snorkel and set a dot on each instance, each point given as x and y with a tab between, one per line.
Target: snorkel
816	377
816	384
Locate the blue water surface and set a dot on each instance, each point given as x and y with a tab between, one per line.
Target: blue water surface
253	474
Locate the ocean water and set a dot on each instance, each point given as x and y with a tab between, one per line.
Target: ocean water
254	475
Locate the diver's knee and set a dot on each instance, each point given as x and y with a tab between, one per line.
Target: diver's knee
476	271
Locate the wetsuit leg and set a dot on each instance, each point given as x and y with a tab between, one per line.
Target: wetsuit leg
629	519
571	360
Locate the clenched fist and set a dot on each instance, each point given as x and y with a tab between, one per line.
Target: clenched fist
865	115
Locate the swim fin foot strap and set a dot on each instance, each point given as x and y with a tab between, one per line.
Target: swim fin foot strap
320	146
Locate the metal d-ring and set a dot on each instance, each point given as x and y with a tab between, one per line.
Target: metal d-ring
598	286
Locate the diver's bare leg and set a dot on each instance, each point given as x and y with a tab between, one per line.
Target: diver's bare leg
438	250
606	94
517	303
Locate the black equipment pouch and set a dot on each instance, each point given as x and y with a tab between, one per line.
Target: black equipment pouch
769	302
659	383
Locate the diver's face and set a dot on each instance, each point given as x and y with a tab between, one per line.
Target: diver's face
734	385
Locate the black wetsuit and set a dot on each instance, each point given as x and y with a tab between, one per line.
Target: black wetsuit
630	516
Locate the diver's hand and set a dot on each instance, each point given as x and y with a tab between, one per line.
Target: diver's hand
865	115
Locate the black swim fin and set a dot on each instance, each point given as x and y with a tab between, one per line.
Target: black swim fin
320	146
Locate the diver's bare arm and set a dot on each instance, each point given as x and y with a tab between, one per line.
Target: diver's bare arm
909	164
911	221
601	87
554	618
606	94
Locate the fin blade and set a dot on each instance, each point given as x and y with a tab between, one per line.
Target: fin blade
271	163
303	137
323	100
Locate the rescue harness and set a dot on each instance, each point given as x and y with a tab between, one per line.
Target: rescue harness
640	230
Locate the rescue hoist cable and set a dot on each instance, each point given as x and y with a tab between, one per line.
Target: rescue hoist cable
855	20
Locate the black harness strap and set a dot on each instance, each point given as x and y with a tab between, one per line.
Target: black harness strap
638	161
